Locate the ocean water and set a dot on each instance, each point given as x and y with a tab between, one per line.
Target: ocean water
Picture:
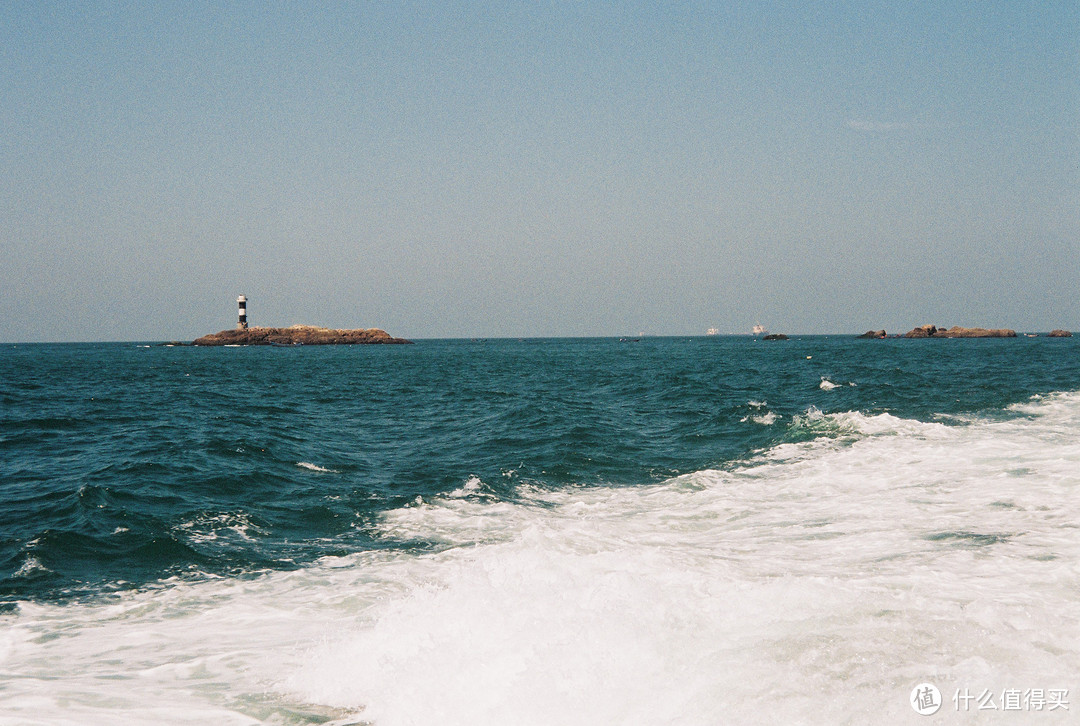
670	531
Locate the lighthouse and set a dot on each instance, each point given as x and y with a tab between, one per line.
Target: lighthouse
241	302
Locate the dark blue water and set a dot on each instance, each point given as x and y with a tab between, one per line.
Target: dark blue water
121	465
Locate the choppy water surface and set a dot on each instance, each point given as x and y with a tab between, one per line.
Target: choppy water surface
689	531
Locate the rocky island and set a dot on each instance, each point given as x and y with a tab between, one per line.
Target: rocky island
932	331
298	335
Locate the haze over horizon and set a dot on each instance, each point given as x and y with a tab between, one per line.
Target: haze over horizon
451	170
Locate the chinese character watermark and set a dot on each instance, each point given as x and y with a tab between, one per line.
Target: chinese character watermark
926	699
1011	699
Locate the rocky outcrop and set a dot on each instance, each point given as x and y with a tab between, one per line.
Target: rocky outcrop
958	332
873	334
1059	334
298	335
923	331
775	336
932	331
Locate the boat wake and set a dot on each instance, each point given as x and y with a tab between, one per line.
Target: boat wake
816	582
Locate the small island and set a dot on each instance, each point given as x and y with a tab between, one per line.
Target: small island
299	335
932	331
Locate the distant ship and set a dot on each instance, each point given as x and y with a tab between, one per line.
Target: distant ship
759	329
712	331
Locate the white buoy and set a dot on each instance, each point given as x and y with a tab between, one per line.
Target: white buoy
241	323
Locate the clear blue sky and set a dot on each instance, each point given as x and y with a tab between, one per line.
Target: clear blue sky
521	169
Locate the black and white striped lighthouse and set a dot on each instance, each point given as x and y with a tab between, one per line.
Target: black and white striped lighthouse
241	323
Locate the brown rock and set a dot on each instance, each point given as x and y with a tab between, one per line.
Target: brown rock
932	331
873	334
923	331
298	335
957	332
1059	334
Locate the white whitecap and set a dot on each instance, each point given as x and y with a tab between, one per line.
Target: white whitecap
827	385
206	528
473	487
29	566
315	467
765	419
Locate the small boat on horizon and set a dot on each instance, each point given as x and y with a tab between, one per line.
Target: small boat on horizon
712	331
759	329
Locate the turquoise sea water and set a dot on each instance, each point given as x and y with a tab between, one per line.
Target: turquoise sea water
674	530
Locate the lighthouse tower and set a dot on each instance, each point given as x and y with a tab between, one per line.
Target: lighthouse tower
241	323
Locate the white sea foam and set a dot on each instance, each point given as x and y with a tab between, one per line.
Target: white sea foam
228	526
827	385
817	583
765	419
472	487
30	566
315	467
